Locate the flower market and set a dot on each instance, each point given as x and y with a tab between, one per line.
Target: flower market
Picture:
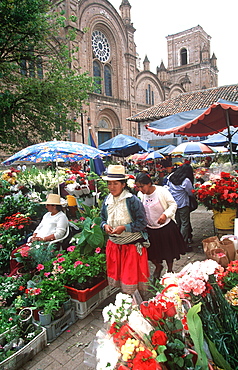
57	309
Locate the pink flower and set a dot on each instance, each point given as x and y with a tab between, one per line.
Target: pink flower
46	274
60	267
71	248
82	218
55	262
59	254
20	226
40	267
87	264
78	263
61	259
10	319
97	250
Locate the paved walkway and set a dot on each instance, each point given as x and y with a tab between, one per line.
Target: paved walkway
67	351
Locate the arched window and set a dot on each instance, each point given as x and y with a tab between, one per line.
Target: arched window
97	77
108	81
184	56
149	95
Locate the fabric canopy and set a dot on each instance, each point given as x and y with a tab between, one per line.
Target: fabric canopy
221	138
124	145
198	122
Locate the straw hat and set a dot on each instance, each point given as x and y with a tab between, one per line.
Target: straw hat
115	173
53	199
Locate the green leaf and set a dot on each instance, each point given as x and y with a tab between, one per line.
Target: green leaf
196	332
217	356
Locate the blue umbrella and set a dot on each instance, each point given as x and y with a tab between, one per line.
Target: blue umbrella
154	155
167	149
124	145
56	151
221	138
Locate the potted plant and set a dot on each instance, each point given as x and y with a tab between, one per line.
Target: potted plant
51	297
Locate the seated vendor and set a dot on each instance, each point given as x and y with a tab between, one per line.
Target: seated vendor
53	226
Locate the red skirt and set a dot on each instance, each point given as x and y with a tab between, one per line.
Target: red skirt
126	268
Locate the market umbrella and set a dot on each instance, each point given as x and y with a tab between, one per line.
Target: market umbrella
167	149
200	122
124	145
154	155
55	151
221	138
191	147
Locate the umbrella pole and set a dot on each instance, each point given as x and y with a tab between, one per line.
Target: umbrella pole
229	136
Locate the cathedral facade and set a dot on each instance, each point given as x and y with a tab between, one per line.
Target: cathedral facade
107	51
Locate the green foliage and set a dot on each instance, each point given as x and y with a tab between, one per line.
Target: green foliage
52	295
196	333
4	187
35	108
37	253
19	203
91	236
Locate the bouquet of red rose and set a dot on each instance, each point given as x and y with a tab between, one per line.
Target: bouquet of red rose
219	194
151	336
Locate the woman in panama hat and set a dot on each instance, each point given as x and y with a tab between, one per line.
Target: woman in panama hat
124	221
53	226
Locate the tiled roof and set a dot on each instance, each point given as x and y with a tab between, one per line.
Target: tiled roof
187	101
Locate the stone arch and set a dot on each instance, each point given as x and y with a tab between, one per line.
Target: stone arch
144	79
175	91
107	124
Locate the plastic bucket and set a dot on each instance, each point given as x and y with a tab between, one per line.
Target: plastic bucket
224	220
71	200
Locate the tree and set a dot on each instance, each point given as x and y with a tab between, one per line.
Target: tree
39	91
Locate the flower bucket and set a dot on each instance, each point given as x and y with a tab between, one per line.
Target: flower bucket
45	319
224	220
71	200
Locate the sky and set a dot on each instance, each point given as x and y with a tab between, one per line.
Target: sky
156	19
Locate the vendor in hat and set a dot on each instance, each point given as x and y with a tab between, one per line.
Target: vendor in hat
124	221
53	226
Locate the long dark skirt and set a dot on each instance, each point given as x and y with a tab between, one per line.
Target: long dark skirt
166	243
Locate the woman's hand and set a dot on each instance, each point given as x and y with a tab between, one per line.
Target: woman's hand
108	229
36	239
118	230
162	219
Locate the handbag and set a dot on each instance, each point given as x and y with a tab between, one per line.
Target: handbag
193	203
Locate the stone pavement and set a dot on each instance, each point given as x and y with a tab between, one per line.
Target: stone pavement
67	351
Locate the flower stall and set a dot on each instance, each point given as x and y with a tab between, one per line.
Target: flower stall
190	323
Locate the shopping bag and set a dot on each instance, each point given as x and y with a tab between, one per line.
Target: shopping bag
229	247
209	244
219	255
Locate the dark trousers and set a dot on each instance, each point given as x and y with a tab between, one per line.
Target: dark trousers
182	217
